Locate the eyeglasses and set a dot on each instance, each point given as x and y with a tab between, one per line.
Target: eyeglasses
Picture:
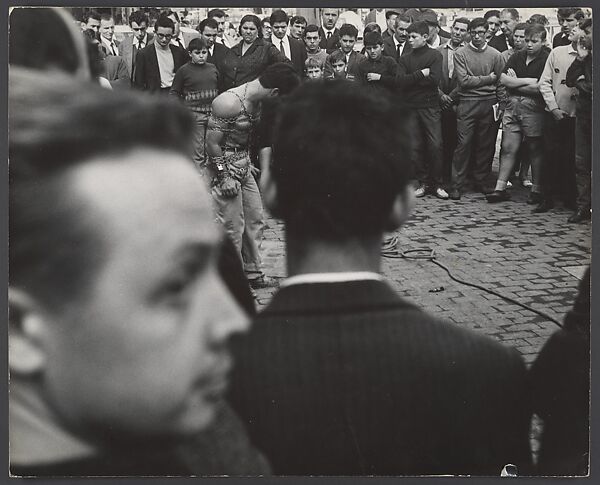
478	33
165	36
137	29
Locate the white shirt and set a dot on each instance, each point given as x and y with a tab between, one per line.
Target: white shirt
111	47
286	45
144	42
396	44
166	66
325	31
340	277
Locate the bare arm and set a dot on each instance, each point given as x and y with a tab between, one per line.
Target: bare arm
517	82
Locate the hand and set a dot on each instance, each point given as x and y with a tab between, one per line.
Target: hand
511	72
425	72
228	188
254	170
558	114
446	101
373	76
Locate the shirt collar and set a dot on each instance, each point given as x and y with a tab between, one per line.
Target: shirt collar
340	277
447	45
477	49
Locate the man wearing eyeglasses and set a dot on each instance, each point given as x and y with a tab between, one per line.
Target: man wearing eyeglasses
156	64
128	49
477	68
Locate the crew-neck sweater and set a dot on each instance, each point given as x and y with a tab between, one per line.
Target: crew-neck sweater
418	90
473	67
197	85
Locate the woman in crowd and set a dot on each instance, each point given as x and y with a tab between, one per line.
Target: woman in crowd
251	56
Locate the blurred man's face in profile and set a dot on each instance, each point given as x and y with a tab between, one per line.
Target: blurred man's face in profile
145	352
107	29
93	24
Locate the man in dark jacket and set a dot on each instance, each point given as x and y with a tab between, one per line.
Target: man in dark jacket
330	37
339	375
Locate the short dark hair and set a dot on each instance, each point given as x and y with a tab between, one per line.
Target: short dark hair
313	62
337	55
298	19
139	17
348	29
461	20
478	22
92	14
421	28
281	75
403	18
279	16
514	13
492	13
215	12
372	38
337	179
56	123
255	20
566	12
311	28
535	30
371	27
538	18
197	43
165	22
106	17
207	22
520	26
266	20
389	13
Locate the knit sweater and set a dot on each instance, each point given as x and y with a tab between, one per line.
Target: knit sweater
349	379
472	68
386	66
197	85
418	90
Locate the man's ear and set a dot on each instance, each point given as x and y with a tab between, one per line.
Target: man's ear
27	326
274	92
401	208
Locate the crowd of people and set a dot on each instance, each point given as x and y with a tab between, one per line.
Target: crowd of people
135	225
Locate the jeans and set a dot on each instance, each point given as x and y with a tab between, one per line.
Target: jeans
199	138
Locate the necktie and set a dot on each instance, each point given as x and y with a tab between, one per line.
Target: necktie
450	63
328	35
180	44
113	48
398	50
281	47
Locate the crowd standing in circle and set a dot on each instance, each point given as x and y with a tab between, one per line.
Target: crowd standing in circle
326	391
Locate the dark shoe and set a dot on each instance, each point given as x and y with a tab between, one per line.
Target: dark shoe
454	194
534	198
544	206
580	216
497	196
263	282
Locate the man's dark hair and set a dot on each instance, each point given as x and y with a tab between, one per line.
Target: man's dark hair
165	22
92	14
403	18
348	29
535	30
538	18
520	26
197	43
279	16
566	12
514	13
337	179
266	20
420	27
311	28
389	13
281	75
478	22
461	20
207	22
216	12
372	38
139	17
298	19
55	124
371	27
492	13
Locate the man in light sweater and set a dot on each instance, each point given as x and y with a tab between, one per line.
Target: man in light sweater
477	67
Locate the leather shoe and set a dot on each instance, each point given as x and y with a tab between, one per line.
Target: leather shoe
580	216
544	206
483	189
497	196
454	194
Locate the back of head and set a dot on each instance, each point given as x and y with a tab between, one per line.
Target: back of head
280	75
57	122
338	162
46	38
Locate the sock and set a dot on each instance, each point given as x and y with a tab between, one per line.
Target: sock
500	185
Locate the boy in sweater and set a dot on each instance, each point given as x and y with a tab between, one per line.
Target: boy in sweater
477	68
418	77
196	83
377	71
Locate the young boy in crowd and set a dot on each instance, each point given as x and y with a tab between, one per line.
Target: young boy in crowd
337	61
313	69
377	71
312	38
419	74
196	83
524	115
